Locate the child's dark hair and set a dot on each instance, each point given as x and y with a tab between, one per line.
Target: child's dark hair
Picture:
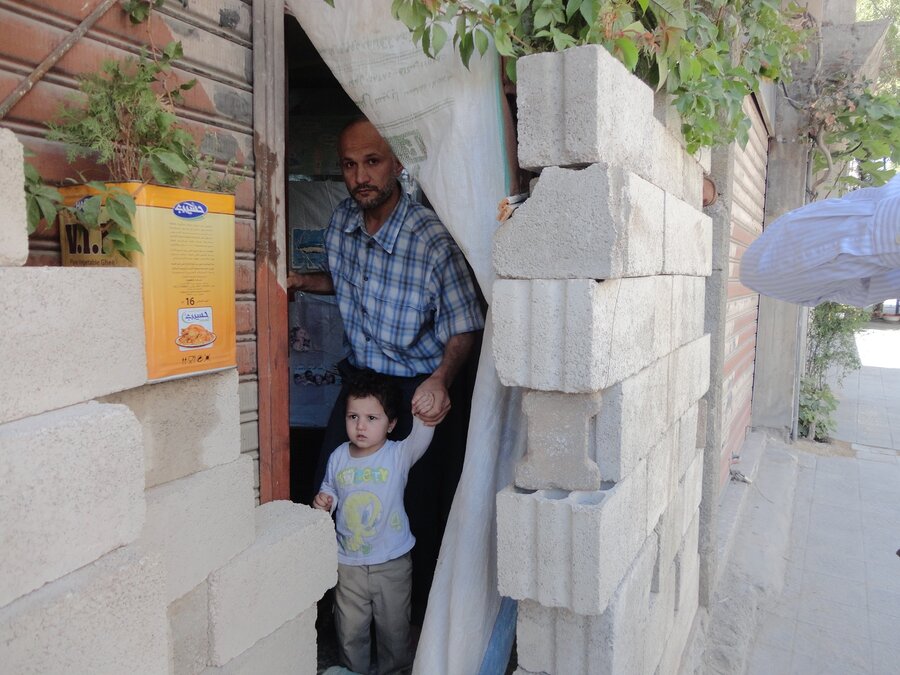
370	383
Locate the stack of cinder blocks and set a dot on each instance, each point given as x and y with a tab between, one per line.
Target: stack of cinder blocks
599	314
131	543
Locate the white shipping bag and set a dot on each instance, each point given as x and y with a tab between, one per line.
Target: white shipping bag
445	123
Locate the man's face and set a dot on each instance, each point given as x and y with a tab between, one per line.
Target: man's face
369	167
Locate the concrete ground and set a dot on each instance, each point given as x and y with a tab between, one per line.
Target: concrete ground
839	610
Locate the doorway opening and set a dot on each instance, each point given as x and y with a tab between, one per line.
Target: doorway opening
316	111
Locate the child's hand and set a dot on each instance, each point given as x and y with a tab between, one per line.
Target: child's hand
323	501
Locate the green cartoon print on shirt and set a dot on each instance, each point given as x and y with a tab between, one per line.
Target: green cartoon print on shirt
361	513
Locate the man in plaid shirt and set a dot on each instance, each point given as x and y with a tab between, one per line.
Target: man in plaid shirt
410	311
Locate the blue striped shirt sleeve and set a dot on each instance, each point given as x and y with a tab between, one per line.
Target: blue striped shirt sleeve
844	250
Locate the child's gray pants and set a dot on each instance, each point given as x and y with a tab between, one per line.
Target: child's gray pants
374	592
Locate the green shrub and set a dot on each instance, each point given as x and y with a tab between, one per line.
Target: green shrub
817	406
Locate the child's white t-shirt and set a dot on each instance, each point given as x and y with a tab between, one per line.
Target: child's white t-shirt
372	526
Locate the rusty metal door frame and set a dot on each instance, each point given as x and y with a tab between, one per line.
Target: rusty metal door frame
271	264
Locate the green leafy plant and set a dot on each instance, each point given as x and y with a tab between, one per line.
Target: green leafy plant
41	200
817	406
856	134
126	120
708	55
830	349
139	11
111	210
129	125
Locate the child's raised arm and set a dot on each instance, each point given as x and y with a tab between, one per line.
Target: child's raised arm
415	445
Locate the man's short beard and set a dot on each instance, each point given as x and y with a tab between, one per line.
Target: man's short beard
381	196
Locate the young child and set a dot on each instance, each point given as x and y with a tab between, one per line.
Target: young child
364	483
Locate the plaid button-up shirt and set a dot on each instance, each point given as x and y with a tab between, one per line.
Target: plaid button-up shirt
403	292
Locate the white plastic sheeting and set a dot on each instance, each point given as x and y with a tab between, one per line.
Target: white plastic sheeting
445	123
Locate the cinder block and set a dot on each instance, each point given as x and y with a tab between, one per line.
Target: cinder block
688	376
287	569
692	487
688	309
660	619
559	441
687	569
556	640
673	169
106	618
635	412
662	477
13	221
669	537
597	223
189	631
290	650
72	489
200	522
579	336
581	106
686	612
553	640
569	550
189	424
83	328
688	436
675	521
688	239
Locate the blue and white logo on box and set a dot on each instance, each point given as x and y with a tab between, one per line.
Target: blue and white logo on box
190	209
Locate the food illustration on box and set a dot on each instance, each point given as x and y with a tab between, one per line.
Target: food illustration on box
195	328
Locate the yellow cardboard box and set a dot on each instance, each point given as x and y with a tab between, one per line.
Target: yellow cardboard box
187	270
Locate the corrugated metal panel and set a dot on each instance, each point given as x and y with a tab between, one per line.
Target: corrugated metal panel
219	111
747	213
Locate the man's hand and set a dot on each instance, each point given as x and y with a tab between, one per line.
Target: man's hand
313	282
323	501
431	401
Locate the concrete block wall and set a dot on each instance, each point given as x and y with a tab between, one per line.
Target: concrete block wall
598	311
189	424
66	473
128	523
13	228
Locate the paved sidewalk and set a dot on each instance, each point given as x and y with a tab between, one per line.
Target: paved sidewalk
839	611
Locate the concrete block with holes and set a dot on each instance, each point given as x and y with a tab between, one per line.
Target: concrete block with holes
569	550
73	490
600	222
559	439
558	640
